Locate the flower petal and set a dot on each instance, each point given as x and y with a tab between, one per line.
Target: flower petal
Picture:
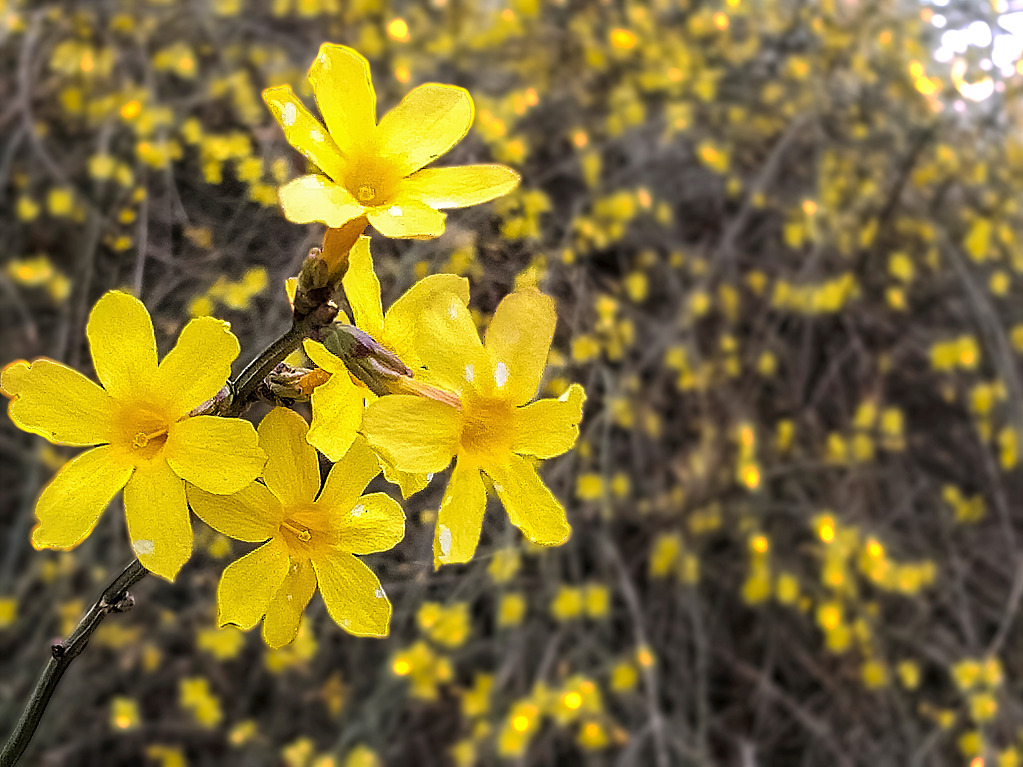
407	482
253	514
459	186
401	323
353	595
247	584
413	433
323	357
338	406
317	198
407	219
375	523
292	470
344	93
448	346
363	289
198	365
348	478
519	338
72	502
530	504
304	132
123	345
460	518
280	626
159	528
219	455
549	427
57	403
427	123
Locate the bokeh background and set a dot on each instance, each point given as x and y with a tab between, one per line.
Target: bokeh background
784	239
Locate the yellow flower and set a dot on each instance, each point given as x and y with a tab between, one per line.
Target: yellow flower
147	444
493	430
308	539
377	170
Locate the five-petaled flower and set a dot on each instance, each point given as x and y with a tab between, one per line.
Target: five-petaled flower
377	170
492	430
147	443
310	536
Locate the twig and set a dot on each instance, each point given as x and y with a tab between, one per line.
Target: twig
115	599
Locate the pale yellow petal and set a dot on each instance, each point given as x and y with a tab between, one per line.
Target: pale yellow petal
407	482
519	338
198	365
323	358
449	349
344	93
248	584
460	518
72	502
304	132
427	123
159	527
292	470
317	198
407	219
123	345
530	504
414	434
401	323
353	595
362	289
549	427
284	614
58	403
337	414
219	455
253	514
459	186
348	478
375	523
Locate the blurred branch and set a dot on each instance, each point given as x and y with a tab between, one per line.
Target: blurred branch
115	599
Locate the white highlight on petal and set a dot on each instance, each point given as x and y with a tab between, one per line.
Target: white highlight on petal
444	538
470	372
395	210
501	374
316	135
290	597
359	510
379	593
289	114
429	476
144	546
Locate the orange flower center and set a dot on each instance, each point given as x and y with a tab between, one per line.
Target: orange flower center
372	180
487	426
307	529
142	432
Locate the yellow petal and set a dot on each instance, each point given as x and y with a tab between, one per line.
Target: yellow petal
337	414
71	504
348	478
407	482
57	403
460	518
344	93
292	470
280	626
198	365
530	504
448	346
317	198
304	132
427	123
401	323
363	289
549	427
159	528
248	584
460	186
323	358
219	455
123	345
407	219
415	434
375	523
253	514
519	338
353	595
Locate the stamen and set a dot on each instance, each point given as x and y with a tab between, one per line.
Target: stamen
366	193
301	533
142	439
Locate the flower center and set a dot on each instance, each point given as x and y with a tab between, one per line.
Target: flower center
366	194
142	439
487	428
299	532
307	529
142	431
